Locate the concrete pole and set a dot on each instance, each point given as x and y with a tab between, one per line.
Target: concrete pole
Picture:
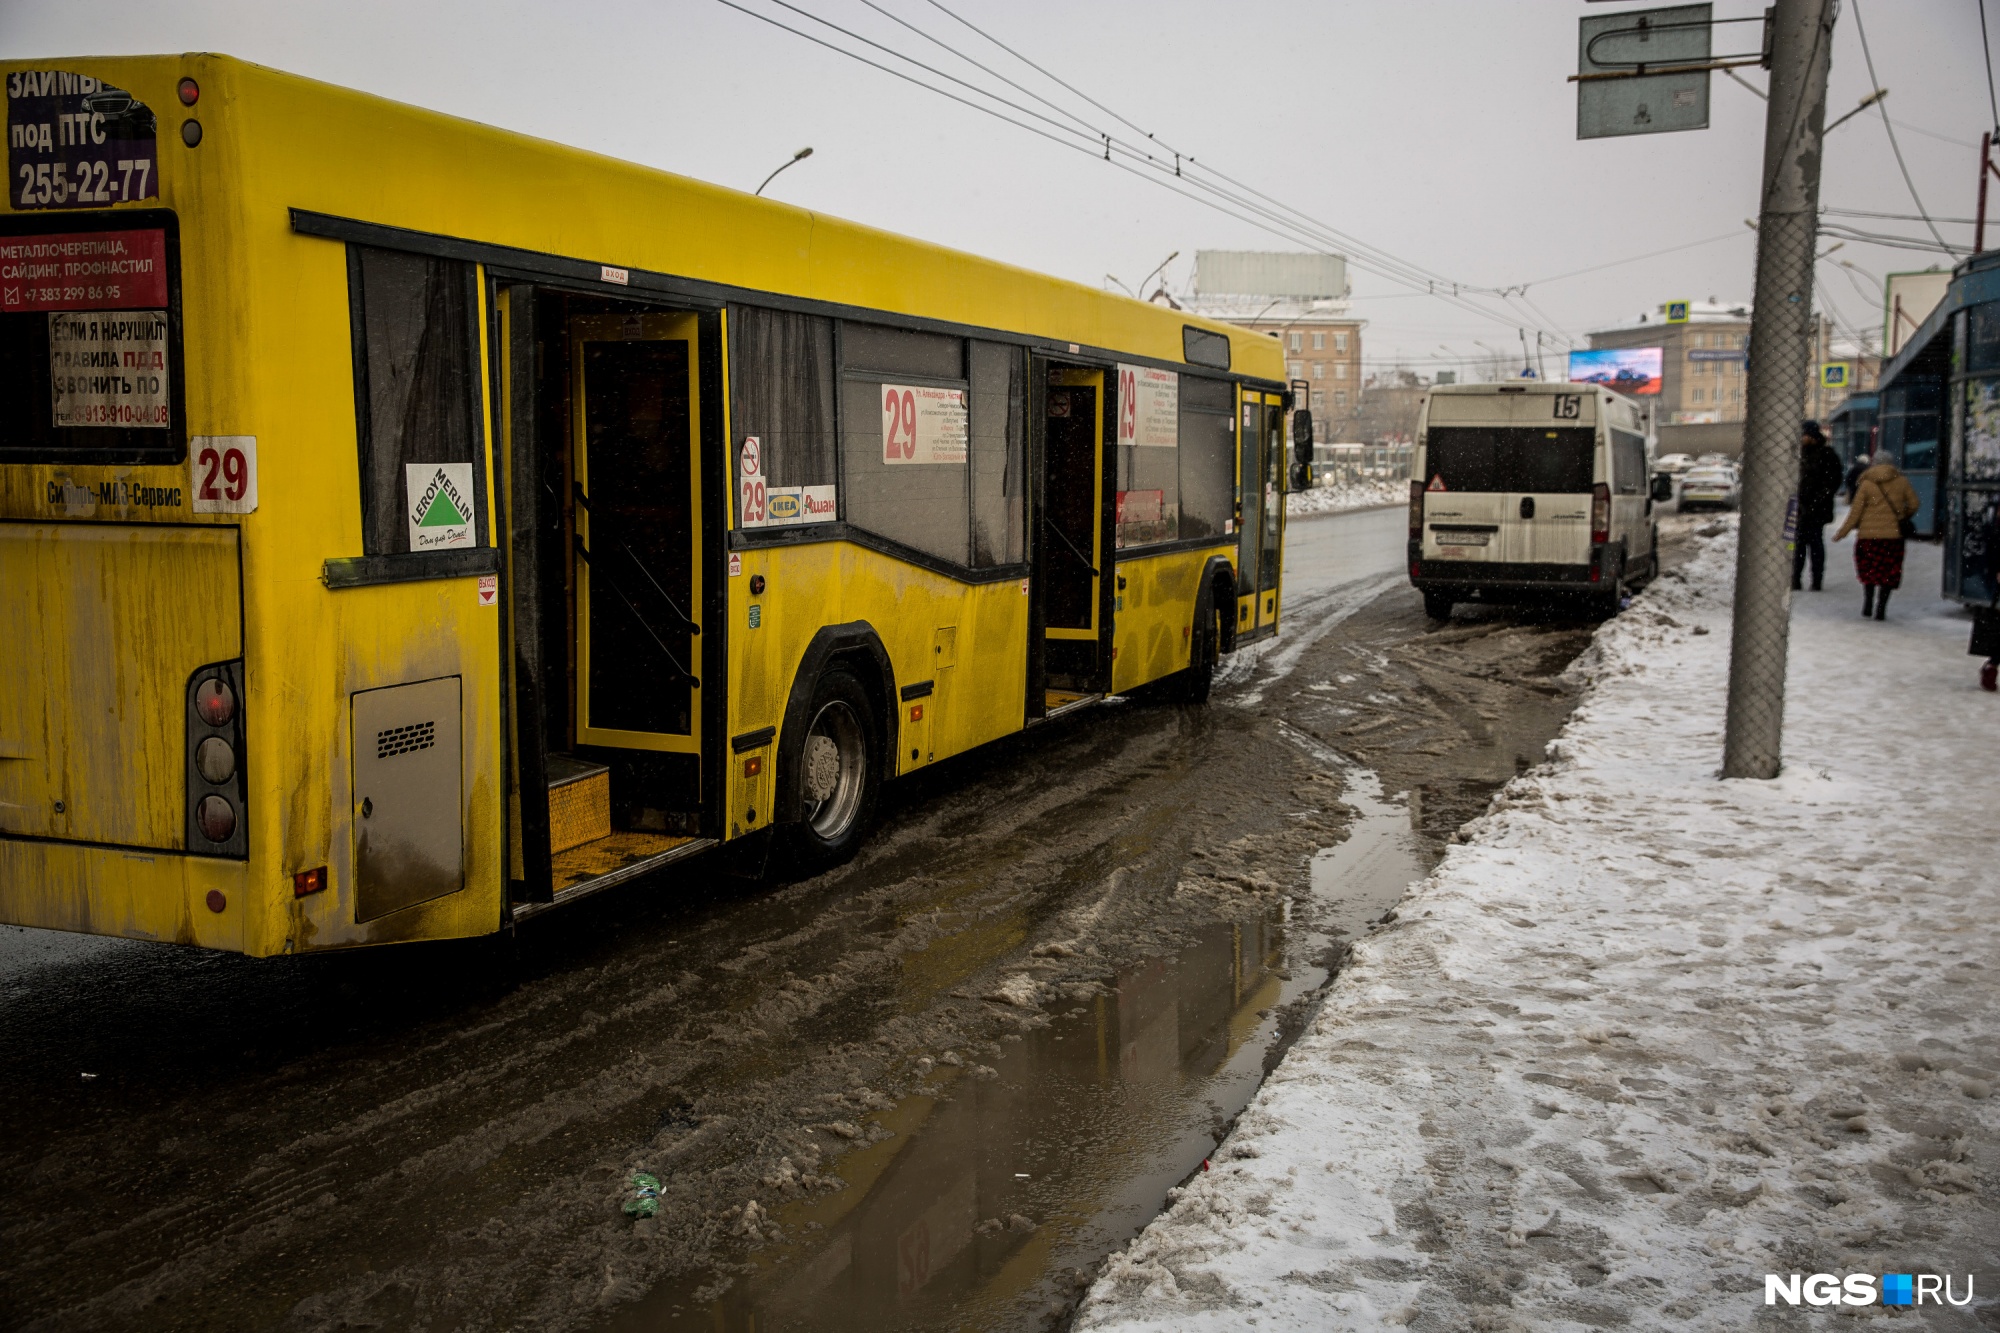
1781	346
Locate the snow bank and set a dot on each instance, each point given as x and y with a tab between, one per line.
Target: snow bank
1647	1035
1350	495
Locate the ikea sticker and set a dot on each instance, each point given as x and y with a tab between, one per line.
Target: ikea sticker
440	499
784	504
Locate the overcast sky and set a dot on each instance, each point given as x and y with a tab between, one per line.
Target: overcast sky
1442	133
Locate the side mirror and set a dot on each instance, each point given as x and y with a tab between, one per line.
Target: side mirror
1301	477
1663	487
1302	436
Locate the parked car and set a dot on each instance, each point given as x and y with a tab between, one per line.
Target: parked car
1675	463
1709	484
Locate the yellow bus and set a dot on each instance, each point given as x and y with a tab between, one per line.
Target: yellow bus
406	526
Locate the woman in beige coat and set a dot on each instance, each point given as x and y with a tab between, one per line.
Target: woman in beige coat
1883	498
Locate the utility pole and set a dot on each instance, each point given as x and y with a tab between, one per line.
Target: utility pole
1781	346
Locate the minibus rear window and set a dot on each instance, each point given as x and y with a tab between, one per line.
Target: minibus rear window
1532	459
90	340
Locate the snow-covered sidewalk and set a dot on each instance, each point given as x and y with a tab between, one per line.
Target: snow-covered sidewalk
1648	1036
1347	496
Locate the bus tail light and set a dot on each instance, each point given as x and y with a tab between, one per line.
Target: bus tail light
216	782
1416	510
308	882
1600	513
215	817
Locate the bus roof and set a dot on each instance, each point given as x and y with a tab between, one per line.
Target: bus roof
291	143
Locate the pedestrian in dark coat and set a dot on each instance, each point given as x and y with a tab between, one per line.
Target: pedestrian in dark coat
1819	482
1854	471
1882	500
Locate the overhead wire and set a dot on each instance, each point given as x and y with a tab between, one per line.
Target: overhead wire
1868	59
1381	257
1270	215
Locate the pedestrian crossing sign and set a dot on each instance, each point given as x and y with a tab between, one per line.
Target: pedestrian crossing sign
1836	374
1677	312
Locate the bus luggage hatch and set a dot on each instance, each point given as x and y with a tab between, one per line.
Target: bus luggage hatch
409	825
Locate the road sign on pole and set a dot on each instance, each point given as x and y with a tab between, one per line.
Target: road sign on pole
1617	91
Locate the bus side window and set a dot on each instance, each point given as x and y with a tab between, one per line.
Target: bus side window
904	436
416	388
1207	456
999	446
781	394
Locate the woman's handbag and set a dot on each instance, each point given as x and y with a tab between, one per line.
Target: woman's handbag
1907	526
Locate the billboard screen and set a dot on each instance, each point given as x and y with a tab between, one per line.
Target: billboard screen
1634	370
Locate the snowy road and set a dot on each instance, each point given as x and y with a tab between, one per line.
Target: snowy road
1648	1037
931	1089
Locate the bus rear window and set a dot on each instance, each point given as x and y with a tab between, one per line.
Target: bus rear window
1511	458
90	340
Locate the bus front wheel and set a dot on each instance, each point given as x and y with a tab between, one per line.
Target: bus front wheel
839	774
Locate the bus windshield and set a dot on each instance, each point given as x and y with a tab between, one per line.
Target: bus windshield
1511	458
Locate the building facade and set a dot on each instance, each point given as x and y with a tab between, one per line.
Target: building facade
1704	381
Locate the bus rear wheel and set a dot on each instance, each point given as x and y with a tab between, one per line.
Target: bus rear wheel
1437	606
1192	684
839	774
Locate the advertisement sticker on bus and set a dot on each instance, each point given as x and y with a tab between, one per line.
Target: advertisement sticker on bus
76	142
109	368
440	513
817	504
84	270
923	425
1149	408
784	504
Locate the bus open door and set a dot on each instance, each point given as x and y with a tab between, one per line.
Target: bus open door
1260	516
1073	543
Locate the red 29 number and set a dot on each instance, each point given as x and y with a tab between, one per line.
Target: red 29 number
233	466
899	419
225	474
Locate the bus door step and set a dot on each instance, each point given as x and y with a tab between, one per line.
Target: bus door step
579	802
1059	702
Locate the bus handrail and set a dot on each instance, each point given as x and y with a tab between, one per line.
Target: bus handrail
1082	559
693	681
637	564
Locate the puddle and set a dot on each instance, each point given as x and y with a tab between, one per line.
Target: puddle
995	1189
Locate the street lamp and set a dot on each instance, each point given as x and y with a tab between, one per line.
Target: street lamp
799	156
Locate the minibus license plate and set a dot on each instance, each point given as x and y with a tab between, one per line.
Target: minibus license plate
1462	538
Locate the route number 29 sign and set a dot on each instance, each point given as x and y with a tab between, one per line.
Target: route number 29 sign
923	425
224	471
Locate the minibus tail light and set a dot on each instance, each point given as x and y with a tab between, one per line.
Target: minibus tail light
1600	513
1416	510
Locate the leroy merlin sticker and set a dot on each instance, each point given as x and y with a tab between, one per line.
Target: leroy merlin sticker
440	513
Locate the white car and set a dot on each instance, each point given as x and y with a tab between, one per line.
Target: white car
1709	484
1675	463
